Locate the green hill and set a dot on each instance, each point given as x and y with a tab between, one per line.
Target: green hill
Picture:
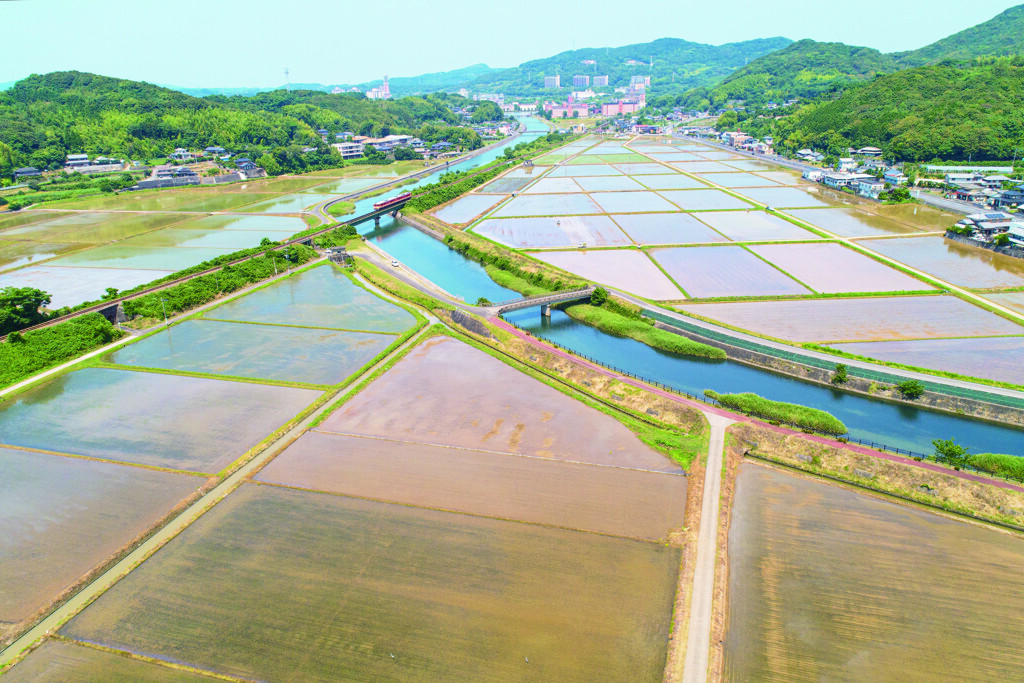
947	111
805	69
677	65
45	117
1000	36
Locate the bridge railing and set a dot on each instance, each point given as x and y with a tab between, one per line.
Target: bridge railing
543	298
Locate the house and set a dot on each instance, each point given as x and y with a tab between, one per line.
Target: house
1009	199
895	177
322	132
26	172
442	146
215	151
1016	234
813	176
349	150
958	178
76	160
868	152
870	187
837	179
995	182
181	154
846	164
970	192
245	164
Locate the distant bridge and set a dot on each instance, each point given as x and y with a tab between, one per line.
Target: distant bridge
545	301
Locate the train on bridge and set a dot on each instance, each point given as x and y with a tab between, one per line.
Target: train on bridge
400	199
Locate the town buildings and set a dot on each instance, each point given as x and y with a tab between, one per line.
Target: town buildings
381	92
552	81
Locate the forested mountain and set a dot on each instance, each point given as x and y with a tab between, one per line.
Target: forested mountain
44	118
948	111
805	69
677	65
1002	35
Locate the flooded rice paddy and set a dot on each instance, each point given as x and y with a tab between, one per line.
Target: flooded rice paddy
285	354
553	185
953	262
628	269
443	393
62	516
565	232
829	584
584	171
671	181
608	183
15	254
706	272
616	501
292	203
72	286
318	297
736	180
190	237
368	590
632	202
667	228
785	197
852	222
466	208
181	423
125	256
830	268
867	319
548	205
993	358
703	167
754	226
704	200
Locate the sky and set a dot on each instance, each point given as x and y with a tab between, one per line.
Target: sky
231	43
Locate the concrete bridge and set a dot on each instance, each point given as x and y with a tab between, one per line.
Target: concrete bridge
544	300
374	215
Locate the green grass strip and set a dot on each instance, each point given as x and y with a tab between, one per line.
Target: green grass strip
643	332
791	413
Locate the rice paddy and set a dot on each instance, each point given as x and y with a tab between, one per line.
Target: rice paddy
466	208
755	226
733	180
631	202
63	516
953	262
127	257
620	502
93	227
643	168
432	397
181	423
548	205
15	254
291	203
608	183
784	197
57	661
993	358
318	297
852	223
671	181
584	171
505	185
704	200
553	185
286	354
667	228
325	587
72	286
831	268
705	272
829	584
703	167
189	237
860	319
626	269
564	232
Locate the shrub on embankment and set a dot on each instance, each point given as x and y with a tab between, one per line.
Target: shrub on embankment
25	354
206	288
1009	466
791	413
615	323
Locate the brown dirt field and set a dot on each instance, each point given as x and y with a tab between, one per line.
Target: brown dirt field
444	393
621	502
984	501
733	459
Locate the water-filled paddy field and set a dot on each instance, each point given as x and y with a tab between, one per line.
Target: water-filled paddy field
14	254
182	423
830	268
622	268
667	228
548	232
953	262
323	586
994	358
671	181
318	297
126	256
705	272
632	202
754	226
852	222
72	286
431	396
829	584
736	180
867	319
553	185
62	516
548	205
784	197
466	208
285	354
704	200
617	501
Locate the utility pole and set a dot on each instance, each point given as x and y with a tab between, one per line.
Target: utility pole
287	83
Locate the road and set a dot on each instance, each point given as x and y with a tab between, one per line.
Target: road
698	636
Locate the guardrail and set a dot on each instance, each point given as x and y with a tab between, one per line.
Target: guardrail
540	299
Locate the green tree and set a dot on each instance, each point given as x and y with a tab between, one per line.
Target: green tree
599	296
911	389
269	164
950	452
840	375
727	121
19	307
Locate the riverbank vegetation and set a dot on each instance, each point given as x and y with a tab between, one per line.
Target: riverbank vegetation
23	355
615	323
790	413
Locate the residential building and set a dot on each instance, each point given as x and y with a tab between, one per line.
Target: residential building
181	154
381	92
839	180
552	81
1016	234
813	176
583	94
26	172
845	165
620	107
894	176
640	80
995	181
581	81
1011	199
600	81
988	224
245	164
76	160
215	151
957	178
868	152
870	187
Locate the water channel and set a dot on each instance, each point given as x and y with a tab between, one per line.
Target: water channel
892	424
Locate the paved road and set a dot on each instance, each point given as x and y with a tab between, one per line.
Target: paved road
954	205
698	638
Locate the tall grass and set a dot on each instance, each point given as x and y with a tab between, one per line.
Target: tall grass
1010	466
791	413
621	326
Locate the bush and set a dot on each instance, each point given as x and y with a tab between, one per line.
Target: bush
841	374
794	414
1010	466
599	296
613	323
911	389
950	452
23	355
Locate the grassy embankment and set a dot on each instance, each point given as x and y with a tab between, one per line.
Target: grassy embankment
341	208
790	413
941	490
24	355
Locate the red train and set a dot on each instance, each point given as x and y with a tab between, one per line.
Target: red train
394	200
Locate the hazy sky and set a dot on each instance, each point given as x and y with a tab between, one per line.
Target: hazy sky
231	43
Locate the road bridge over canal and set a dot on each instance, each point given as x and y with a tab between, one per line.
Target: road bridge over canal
545	301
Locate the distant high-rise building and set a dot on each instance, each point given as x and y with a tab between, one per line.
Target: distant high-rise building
580	81
640	80
381	92
552	81
600	81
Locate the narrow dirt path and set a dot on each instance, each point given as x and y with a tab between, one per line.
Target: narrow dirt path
698	640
